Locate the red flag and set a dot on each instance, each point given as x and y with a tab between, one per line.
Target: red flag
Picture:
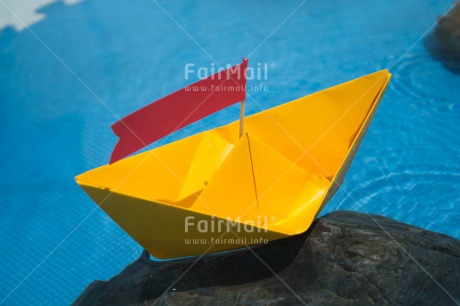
179	109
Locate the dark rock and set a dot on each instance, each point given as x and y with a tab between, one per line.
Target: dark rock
346	258
444	42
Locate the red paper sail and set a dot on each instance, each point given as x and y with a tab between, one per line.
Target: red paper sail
179	109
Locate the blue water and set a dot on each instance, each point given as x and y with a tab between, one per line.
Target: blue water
120	55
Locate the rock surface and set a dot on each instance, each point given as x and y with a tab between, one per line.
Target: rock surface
346	258
444	43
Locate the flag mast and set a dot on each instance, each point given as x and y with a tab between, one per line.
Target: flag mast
242	104
242	119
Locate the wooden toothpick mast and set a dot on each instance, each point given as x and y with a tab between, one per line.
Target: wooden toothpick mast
242	119
245	61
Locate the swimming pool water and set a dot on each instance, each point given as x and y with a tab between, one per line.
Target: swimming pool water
120	55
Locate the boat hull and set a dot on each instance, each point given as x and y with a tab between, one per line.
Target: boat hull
171	232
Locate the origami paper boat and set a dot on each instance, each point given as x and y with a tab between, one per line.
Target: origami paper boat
214	191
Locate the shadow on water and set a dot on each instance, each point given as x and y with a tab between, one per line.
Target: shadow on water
444	42
448	58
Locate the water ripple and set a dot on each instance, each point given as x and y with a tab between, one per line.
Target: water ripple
427	82
407	195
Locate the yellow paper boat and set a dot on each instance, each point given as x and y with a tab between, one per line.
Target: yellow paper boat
214	191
